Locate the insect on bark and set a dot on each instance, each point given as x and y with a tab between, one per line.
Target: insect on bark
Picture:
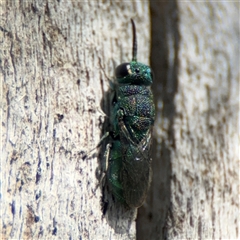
132	119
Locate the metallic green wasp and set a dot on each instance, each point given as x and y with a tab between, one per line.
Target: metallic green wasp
132	119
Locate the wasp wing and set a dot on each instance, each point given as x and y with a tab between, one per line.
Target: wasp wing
136	167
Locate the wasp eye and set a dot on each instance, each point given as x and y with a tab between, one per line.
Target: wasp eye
137	70
122	70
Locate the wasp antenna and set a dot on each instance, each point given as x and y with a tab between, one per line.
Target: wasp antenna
134	49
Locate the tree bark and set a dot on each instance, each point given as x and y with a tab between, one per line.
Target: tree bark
195	57
55	56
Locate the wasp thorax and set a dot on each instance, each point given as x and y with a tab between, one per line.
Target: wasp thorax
134	73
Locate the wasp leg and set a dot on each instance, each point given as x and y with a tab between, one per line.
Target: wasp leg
105	164
107	155
99	144
102	139
102	181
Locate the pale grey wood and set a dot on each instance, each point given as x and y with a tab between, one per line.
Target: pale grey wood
195	56
52	87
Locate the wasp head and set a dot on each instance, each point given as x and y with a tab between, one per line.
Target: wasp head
134	73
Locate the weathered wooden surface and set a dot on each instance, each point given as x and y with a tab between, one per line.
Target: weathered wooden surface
52	88
195	57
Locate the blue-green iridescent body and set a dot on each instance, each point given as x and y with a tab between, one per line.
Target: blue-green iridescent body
132	119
